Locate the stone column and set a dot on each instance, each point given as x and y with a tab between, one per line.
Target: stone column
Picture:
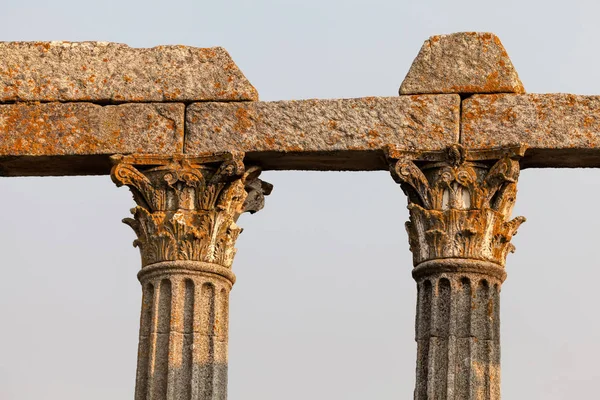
185	221
459	233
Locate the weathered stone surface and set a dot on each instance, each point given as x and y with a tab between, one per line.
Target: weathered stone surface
323	134
459	231
185	221
458	337
83	128
188	206
183	342
466	62
37	134
456	192
117	73
560	130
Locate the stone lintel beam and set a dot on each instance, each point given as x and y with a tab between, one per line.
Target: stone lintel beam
339	134
560	130
103	72
79	138
43	139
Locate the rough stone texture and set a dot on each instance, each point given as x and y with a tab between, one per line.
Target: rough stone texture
560	130
459	232
116	73
323	134
185	221
184	324
36	138
188	206
467	203
458	337
466	62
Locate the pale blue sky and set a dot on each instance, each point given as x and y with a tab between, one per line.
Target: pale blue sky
323	307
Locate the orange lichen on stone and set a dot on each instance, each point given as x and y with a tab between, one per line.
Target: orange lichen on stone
467	62
365	124
52	129
105	72
243	122
541	121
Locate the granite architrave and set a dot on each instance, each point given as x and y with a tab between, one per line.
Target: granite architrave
560	130
116	73
339	134
78	138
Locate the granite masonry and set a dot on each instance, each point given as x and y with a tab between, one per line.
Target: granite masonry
183	129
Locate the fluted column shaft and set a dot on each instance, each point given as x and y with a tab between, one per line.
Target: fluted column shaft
186	226
459	233
458	337
183	333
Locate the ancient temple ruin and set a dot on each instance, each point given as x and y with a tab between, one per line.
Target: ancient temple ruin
182	127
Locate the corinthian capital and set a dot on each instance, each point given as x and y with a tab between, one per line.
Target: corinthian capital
460	202
187	207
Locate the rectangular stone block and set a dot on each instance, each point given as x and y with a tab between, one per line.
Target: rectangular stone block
78	138
105	72
340	134
561	130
